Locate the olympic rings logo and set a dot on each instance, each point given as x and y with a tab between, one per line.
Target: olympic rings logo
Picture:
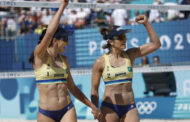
146	107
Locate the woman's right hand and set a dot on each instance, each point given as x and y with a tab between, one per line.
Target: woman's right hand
97	113
65	2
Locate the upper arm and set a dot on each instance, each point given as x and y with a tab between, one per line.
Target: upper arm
42	47
143	50
96	74
147	49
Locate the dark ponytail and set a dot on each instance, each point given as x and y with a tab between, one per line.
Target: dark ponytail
57	35
31	59
104	32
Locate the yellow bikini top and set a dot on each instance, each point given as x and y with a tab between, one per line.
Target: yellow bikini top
117	75
48	74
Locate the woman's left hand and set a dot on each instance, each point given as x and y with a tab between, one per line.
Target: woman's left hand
141	19
97	113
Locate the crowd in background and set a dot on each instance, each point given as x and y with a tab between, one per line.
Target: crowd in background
21	21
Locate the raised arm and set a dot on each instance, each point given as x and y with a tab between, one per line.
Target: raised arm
79	95
52	27
149	47
96	76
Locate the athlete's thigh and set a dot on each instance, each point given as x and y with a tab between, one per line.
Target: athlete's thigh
131	116
44	118
109	115
70	116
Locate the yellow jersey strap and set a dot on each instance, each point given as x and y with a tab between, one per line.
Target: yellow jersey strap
107	62
49	60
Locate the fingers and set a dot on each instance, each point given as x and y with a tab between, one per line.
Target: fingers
97	115
140	17
100	117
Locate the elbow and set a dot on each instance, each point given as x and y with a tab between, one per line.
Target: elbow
49	34
157	45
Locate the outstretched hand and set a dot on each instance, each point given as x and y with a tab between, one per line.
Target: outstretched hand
141	19
65	2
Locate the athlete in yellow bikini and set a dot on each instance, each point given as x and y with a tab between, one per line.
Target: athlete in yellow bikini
53	77
115	67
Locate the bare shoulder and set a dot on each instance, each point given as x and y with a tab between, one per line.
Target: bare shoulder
100	62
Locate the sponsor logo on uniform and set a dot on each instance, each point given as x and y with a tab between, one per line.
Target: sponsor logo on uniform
130	69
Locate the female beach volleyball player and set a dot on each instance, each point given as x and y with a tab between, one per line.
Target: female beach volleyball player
115	67
53	76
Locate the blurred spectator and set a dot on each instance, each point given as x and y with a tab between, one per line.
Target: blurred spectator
100	19
23	30
186	13
156	60
71	17
119	17
11	27
46	18
144	61
155	15
132	20
81	18
90	17
32	22
22	17
39	29
2	27
173	14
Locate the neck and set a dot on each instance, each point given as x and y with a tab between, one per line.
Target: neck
52	52
116	53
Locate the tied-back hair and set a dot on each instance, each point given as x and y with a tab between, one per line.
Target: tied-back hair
58	31
31	59
104	32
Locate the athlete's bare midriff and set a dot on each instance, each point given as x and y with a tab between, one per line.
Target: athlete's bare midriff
120	94
53	96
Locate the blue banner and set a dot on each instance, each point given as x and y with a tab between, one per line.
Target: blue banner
86	45
174	36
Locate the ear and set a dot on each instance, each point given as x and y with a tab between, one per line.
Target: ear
54	41
111	42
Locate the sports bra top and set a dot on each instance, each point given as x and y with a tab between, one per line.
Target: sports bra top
48	73
117	75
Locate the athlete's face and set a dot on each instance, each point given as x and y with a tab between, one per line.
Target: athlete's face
61	44
120	42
